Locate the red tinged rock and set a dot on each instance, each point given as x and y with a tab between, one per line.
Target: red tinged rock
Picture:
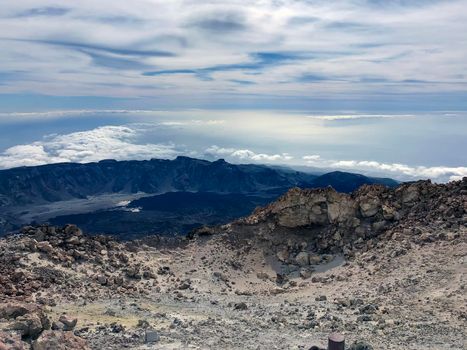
58	340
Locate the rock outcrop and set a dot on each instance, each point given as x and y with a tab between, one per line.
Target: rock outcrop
304	222
28	326
56	340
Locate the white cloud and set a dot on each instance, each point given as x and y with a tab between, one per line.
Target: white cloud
399	171
107	142
246	155
313	157
359	116
122	142
101	48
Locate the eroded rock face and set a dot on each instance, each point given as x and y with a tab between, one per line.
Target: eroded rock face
336	222
57	340
410	194
27	319
369	206
341	208
317	207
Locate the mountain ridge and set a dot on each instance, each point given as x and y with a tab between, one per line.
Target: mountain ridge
63	181
91	194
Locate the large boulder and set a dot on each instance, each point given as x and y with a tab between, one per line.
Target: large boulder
298	208
28	325
341	208
58	340
303	259
29	320
410	194
13	310
72	230
369	206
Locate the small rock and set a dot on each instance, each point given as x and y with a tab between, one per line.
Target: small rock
262	276
364	318
151	336
68	322
360	345
368	309
102	279
45	247
305	273
58	326
283	255
241	306
143	324
315	259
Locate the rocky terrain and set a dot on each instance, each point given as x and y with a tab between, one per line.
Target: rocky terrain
385	267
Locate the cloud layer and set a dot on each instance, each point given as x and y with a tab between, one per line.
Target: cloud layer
246	155
183	49
126	142
400	171
108	142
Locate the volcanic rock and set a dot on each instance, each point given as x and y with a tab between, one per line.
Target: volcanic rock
58	340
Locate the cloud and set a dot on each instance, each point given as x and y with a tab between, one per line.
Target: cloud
359	116
435	173
104	48
220	22
44	11
255	61
209	49
107	142
246	155
57	114
312	158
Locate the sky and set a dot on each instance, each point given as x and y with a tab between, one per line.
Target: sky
373	86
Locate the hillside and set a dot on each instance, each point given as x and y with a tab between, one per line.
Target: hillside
166	214
385	267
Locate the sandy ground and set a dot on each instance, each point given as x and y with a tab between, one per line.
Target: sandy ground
416	300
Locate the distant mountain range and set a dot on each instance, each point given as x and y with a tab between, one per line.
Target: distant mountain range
177	195
64	181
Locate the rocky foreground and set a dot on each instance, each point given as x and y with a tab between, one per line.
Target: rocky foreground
385	267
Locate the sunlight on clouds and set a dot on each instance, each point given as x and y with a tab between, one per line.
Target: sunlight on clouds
246	155
289	138
115	142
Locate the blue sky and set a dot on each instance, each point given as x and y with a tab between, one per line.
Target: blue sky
373	86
